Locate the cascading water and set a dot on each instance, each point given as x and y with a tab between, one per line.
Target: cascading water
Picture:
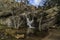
29	22
30	27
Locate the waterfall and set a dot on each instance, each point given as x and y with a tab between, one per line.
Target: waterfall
29	22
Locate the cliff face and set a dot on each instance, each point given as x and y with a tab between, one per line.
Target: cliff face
10	9
13	21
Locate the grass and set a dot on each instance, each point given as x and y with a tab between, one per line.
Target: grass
8	32
3	26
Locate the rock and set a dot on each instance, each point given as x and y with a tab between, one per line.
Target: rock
52	10
6	22
20	36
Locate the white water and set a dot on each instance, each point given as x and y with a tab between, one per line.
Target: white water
29	22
